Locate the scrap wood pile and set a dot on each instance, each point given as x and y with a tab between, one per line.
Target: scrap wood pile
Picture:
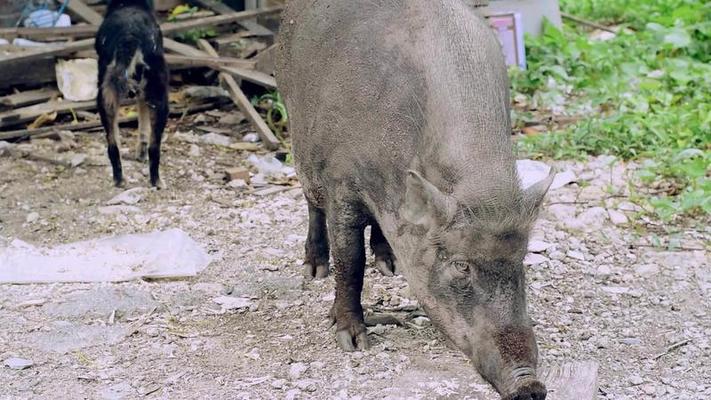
221	61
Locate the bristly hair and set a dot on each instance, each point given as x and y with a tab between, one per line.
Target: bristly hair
496	217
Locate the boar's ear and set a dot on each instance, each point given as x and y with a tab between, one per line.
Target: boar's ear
534	195
424	203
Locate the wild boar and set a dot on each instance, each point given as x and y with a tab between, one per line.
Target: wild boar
399	114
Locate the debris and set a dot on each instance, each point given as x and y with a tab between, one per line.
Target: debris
205	92
233	303
237	173
18	363
128	197
672	348
215	139
77	79
576	255
241	100
270	166
160	254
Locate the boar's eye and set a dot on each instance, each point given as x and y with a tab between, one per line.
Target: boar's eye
462	267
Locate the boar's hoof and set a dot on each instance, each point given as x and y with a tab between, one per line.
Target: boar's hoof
386	265
349	342
317	271
531	391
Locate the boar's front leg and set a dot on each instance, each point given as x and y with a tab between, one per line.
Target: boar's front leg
316	262
346	227
384	258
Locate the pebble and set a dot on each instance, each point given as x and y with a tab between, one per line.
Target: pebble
32	217
538	246
215	139
128	197
603	270
576	255
617	217
308	385
251	138
194	151
278	383
296	370
292	394
18	363
631	341
534	259
636	380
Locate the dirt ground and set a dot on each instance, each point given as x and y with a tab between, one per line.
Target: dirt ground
604	284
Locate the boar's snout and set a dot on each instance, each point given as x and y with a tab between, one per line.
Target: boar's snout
508	360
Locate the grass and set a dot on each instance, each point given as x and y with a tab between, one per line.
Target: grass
644	95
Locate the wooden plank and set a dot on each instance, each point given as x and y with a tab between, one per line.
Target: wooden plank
221	8
172	27
266	60
29	113
205	61
260	78
168	29
28	97
49	51
84	12
571	381
77	32
270	141
28	73
181	48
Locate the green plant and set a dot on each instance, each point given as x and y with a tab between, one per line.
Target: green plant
645	95
277	117
195	34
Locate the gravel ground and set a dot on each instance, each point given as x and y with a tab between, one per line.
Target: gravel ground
600	288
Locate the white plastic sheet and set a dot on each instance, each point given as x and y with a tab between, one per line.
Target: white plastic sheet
160	254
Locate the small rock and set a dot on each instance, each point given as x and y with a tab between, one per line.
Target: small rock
215	139
233	303
32	217
5	147
296	370
308	385
421	321
251	138
233	118
557	255
649	389
534	259
538	246
128	197
603	270
636	380
18	363
194	151
292	394
237	184
152	331
278	383
576	255
617	217
631	341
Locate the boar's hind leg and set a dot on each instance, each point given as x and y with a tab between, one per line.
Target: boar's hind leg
316	262
384	258
346	230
